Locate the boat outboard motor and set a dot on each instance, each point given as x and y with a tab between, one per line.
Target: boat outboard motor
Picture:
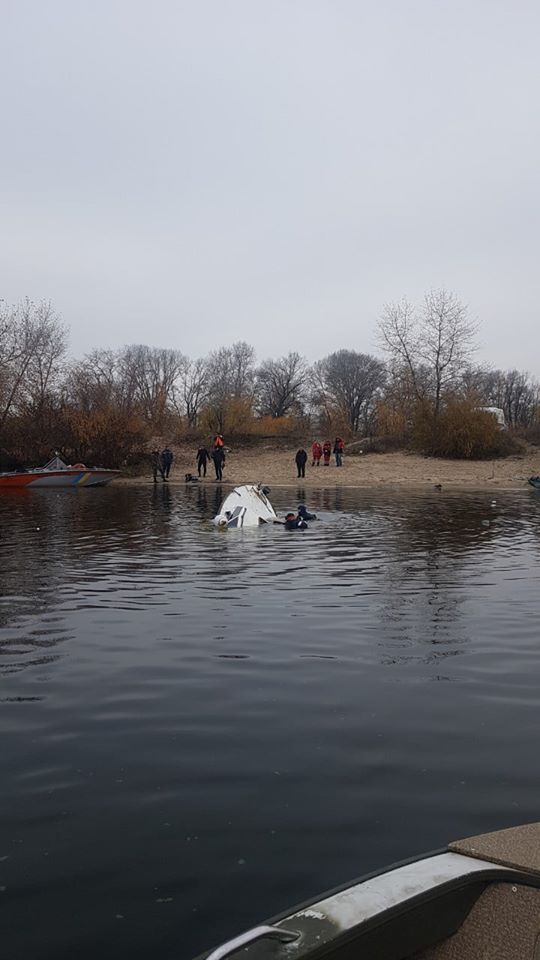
303	513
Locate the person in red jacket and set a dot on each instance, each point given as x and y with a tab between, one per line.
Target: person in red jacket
327	452
316	454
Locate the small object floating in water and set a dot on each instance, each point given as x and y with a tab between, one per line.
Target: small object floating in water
246	506
56	473
476	892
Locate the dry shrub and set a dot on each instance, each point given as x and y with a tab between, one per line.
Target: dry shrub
108	436
461	432
378	444
333	423
532	433
391	422
274	427
229	418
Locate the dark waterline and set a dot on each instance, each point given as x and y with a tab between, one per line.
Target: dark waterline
201	728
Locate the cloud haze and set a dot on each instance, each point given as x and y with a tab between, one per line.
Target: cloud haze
190	173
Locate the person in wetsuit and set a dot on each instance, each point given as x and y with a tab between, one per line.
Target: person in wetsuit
166	462
218	456
202	459
157	465
303	513
294	522
301	459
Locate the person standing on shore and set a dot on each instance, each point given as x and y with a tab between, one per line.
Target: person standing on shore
218	441
327	452
166	462
339	447
202	459
157	465
316	454
218	456
301	460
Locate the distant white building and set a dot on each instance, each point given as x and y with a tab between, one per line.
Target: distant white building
498	414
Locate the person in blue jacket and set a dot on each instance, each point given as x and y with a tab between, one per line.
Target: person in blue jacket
303	513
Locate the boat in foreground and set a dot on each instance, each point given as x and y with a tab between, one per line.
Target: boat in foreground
56	473
479	899
246	506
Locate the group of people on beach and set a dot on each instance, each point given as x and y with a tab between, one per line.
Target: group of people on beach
162	461
217	456
320	452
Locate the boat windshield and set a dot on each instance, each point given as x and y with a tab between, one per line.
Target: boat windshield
55	464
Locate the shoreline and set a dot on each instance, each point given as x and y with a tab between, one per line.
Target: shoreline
366	471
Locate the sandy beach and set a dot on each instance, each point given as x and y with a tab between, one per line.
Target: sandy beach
276	466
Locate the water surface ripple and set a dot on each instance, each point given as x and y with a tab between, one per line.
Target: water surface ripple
201	728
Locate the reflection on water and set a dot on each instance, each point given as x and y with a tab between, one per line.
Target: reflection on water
203	727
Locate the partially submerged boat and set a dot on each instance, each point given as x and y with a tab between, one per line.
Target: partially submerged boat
479	899
246	506
56	473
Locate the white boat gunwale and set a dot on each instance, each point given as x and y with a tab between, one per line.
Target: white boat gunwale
422	900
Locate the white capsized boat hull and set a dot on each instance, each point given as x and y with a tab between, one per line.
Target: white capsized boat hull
246	506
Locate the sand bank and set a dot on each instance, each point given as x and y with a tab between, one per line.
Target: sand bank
277	467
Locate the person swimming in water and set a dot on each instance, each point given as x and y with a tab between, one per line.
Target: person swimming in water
294	522
303	513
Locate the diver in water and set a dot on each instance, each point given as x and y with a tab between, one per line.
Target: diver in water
303	513
294	522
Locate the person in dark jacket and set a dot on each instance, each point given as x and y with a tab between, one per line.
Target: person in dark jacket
157	466
301	459
303	513
202	459
339	447
293	522
218	456
166	462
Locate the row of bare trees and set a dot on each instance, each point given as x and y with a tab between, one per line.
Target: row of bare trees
112	402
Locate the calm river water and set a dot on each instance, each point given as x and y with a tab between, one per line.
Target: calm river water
201	728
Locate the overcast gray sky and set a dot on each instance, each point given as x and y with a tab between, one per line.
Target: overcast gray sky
191	173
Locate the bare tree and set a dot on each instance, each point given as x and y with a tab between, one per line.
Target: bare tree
191	389
513	391
280	385
32	344
95	382
434	344
231	376
349	383
151	375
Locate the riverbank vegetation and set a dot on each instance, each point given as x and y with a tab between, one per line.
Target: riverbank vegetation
425	392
